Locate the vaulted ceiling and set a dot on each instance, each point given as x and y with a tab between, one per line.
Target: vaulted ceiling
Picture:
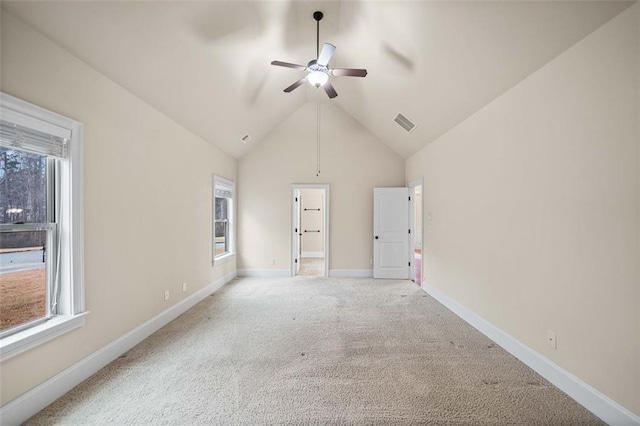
207	64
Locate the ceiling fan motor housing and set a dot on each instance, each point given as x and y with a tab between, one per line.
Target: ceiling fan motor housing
313	66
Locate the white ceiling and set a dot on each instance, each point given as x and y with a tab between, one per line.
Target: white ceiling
207	64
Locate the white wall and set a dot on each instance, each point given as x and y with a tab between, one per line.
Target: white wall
353	163
534	203
312	220
147	201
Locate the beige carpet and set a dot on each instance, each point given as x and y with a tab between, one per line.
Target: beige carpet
316	351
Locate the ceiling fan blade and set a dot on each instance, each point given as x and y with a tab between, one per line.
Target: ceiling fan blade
348	72
325	54
288	65
296	84
330	90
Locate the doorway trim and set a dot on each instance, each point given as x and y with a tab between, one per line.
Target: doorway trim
294	212
412	220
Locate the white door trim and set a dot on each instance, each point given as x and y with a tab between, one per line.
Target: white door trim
325	208
297	240
411	185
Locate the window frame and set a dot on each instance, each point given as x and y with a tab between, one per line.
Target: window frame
224	184
70	229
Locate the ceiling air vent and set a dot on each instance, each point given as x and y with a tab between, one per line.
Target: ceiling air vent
404	122
245	138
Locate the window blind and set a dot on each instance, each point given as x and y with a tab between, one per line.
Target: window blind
21	132
223	192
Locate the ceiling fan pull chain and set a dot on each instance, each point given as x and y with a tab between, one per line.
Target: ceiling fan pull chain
318	133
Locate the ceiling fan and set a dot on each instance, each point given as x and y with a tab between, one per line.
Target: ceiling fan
318	70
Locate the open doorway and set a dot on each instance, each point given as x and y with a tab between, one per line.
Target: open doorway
415	223
310	230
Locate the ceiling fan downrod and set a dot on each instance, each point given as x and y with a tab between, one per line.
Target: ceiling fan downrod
317	15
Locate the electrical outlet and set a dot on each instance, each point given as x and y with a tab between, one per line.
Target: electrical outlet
551	339
184	287
166	295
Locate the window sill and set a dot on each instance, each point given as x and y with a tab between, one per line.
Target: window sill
223	258
22	341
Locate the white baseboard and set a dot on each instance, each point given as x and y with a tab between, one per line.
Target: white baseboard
264	273
26	405
314	254
351	273
593	400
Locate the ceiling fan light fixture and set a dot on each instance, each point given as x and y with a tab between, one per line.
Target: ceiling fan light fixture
317	78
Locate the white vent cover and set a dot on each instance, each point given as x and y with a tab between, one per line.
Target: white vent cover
404	122
245	138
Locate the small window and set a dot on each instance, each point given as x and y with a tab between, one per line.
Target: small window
223	231
41	293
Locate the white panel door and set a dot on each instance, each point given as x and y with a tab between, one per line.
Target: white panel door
391	233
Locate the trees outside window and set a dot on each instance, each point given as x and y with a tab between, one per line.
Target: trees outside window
26	228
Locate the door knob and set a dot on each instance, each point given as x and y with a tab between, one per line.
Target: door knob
376	237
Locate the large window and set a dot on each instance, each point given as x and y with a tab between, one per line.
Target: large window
40	225
223	217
